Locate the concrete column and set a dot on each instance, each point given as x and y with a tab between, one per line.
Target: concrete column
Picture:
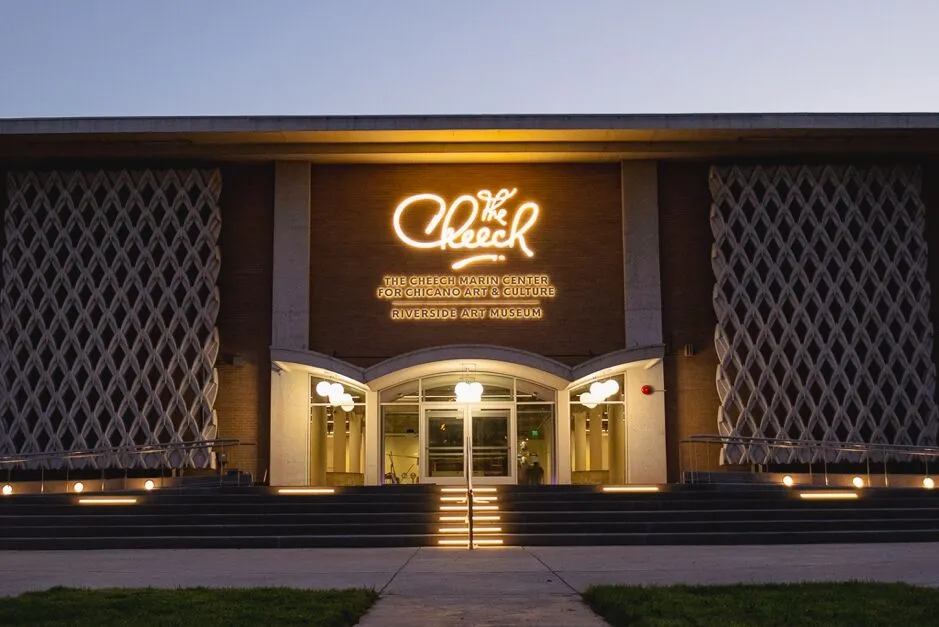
563	437
290	410
596	437
318	447
291	288
374	466
580	438
641	245
645	431
339	441
355	441
290	327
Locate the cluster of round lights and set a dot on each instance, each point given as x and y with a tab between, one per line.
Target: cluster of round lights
337	395
599	392
469	392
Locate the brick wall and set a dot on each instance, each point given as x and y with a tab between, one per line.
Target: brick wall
244	320
688	313
577	241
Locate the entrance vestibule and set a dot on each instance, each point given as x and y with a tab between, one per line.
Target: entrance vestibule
432	435
518	425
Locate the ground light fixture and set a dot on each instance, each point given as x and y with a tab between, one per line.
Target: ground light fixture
7	489
928	483
305	491
630	488
857	482
788	481
828	496
78	487
108	500
148	485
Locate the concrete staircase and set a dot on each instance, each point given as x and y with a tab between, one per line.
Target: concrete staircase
433	516
221	518
576	515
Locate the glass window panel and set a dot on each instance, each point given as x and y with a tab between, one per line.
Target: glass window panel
401	443
406	392
535	441
445	454
442	387
491	442
528	392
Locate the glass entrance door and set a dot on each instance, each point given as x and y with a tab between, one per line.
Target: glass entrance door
481	437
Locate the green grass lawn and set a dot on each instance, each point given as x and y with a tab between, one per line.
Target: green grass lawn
792	605
201	607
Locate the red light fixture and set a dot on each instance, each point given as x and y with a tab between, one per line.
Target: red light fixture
647	389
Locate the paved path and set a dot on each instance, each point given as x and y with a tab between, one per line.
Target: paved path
518	586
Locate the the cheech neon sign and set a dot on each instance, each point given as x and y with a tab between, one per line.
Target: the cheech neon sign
464	224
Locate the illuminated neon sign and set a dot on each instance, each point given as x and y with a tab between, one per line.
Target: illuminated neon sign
465	225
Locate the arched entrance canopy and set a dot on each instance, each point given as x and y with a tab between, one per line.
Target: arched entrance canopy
483	357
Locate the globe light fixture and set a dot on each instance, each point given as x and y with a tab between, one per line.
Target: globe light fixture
858	482
610	387
928	483
468	392
345	402
322	388
788	481
7	489
78	487
148	485
588	400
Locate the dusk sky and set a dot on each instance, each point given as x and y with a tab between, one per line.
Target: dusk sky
297	57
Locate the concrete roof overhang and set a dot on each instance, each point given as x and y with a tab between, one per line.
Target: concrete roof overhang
429	139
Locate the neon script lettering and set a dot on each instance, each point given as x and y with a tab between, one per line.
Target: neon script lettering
464	224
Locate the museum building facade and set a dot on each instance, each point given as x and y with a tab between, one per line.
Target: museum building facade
526	299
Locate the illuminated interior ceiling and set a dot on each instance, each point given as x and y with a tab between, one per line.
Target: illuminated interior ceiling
467	139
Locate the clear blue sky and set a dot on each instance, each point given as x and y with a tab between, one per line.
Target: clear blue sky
295	57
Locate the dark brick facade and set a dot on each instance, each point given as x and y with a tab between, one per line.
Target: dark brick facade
687	312
577	241
244	320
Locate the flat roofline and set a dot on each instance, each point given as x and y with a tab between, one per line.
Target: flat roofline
612	122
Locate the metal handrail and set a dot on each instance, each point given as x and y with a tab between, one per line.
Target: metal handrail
865	449
143	449
851	447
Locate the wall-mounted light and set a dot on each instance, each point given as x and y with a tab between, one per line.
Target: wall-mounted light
78	487
928	483
7	489
858	482
148	485
788	481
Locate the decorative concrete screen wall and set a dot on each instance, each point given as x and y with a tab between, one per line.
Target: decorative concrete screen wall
109	303
822	305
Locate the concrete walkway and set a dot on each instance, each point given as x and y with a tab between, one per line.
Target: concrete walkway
518	586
